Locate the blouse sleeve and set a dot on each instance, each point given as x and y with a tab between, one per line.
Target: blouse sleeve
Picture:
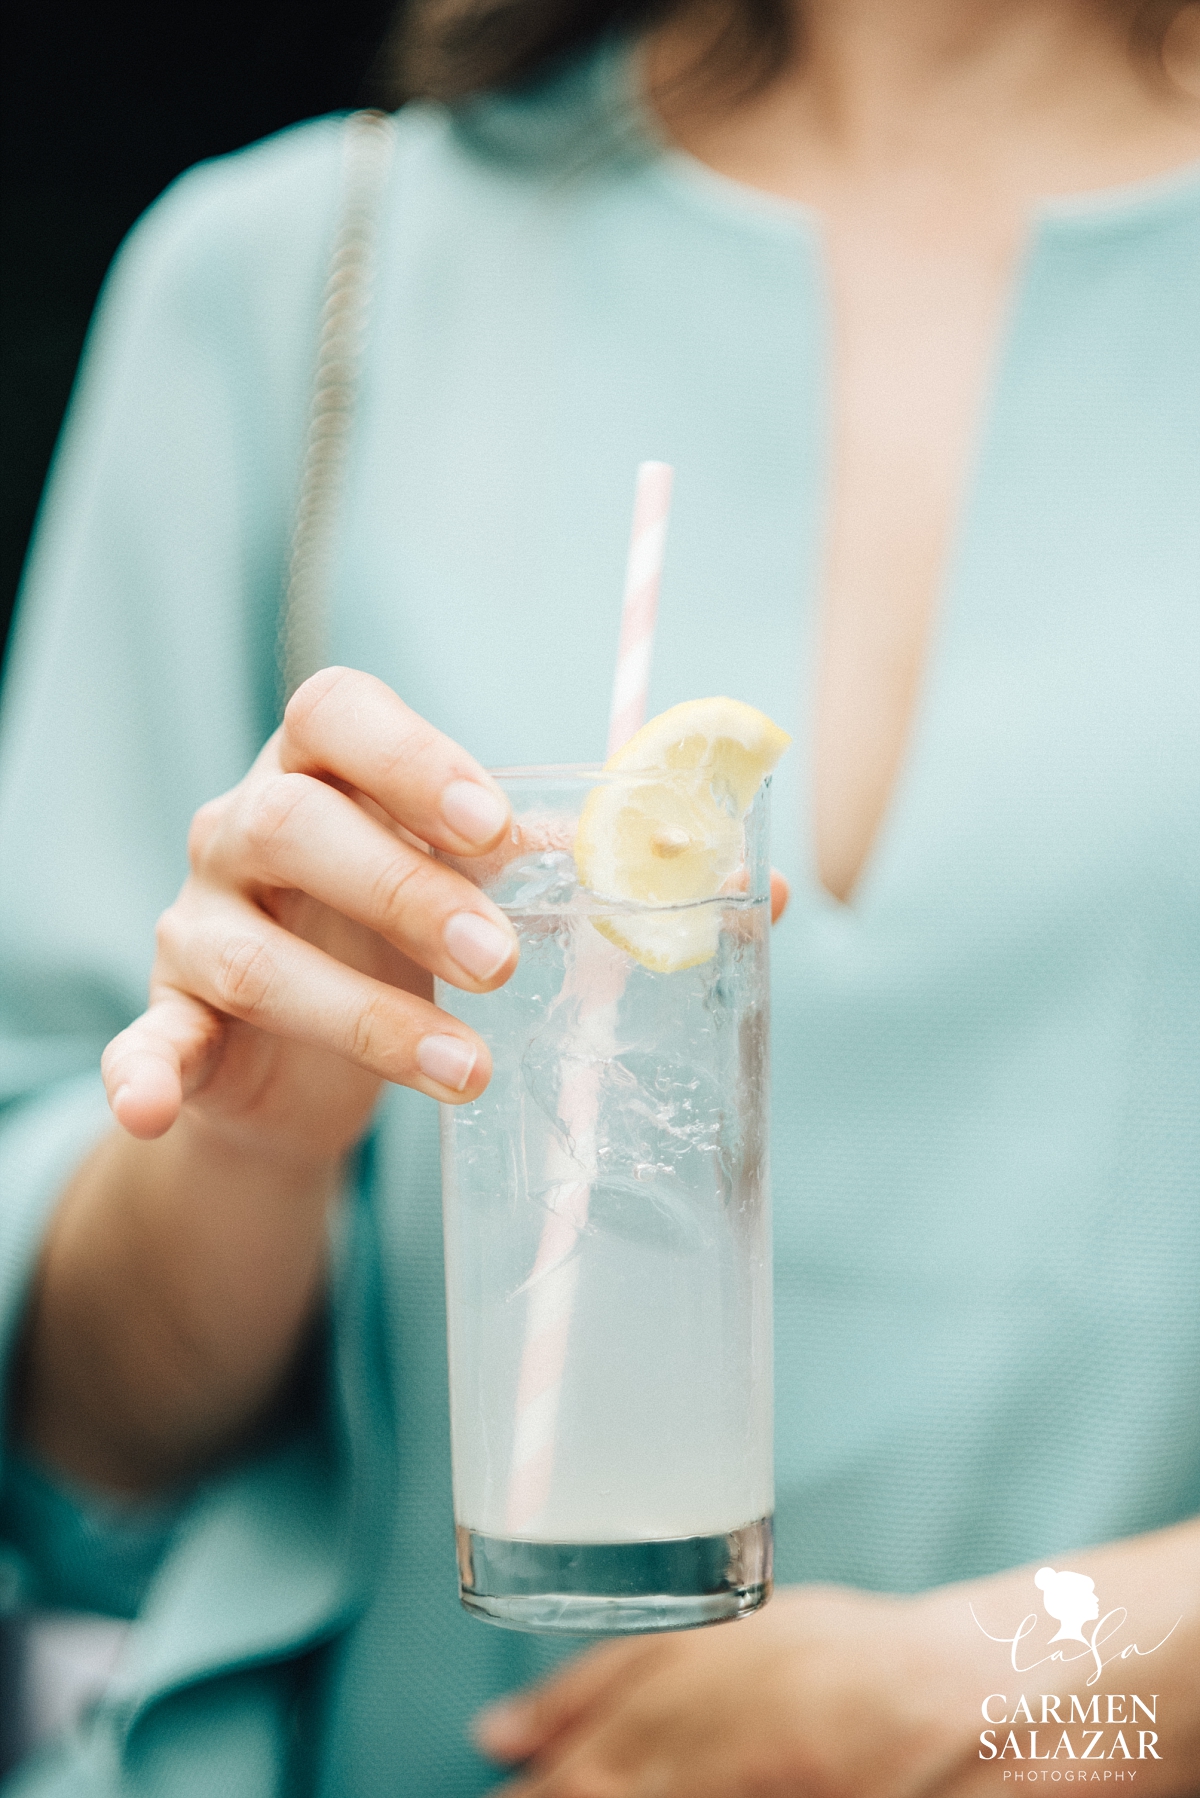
140	683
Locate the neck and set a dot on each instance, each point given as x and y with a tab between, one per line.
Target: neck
1050	92
871	66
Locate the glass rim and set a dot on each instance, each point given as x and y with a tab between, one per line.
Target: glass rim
549	771
567	772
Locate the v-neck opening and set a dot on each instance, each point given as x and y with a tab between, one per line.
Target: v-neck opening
945	599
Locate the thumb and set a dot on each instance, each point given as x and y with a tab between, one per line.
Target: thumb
161	1057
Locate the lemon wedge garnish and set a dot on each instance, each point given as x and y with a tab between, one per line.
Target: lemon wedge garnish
672	834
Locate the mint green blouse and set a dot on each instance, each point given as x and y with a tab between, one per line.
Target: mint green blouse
987	1067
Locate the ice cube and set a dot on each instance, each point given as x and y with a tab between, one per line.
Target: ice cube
545	879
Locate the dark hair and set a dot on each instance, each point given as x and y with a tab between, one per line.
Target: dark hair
451	49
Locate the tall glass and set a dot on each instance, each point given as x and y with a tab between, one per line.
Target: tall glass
608	1246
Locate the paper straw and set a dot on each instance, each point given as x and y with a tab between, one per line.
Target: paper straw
594	982
643	573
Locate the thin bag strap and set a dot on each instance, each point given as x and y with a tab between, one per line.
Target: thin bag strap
302	642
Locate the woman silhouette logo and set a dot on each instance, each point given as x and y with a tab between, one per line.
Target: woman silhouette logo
1070	1598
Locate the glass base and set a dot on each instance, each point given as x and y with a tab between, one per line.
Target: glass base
615	1588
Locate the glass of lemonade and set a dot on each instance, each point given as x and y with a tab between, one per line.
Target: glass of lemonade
608	1235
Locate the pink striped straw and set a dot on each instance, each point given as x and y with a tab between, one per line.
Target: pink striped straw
596	981
643	573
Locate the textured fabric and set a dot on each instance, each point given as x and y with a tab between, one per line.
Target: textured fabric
986	1134
94	1552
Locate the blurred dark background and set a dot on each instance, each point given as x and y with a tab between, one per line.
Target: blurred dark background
102	106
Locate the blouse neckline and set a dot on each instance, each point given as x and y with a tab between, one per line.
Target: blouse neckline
1128	204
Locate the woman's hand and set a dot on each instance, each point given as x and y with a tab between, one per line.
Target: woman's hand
182	1271
293	971
833	1693
827	1692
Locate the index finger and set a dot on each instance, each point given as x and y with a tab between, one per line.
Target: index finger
350	725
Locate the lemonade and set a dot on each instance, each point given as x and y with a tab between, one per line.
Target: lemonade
608	1262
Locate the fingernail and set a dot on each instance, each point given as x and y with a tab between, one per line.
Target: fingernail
446	1059
473	811
477	945
116	1098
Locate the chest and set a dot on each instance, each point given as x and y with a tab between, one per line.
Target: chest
914	326
523	362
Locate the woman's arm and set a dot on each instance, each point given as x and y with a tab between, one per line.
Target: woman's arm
834	1693
174	1287
290	982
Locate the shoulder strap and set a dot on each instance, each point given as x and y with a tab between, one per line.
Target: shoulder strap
301	646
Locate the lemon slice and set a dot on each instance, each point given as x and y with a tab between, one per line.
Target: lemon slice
674	836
